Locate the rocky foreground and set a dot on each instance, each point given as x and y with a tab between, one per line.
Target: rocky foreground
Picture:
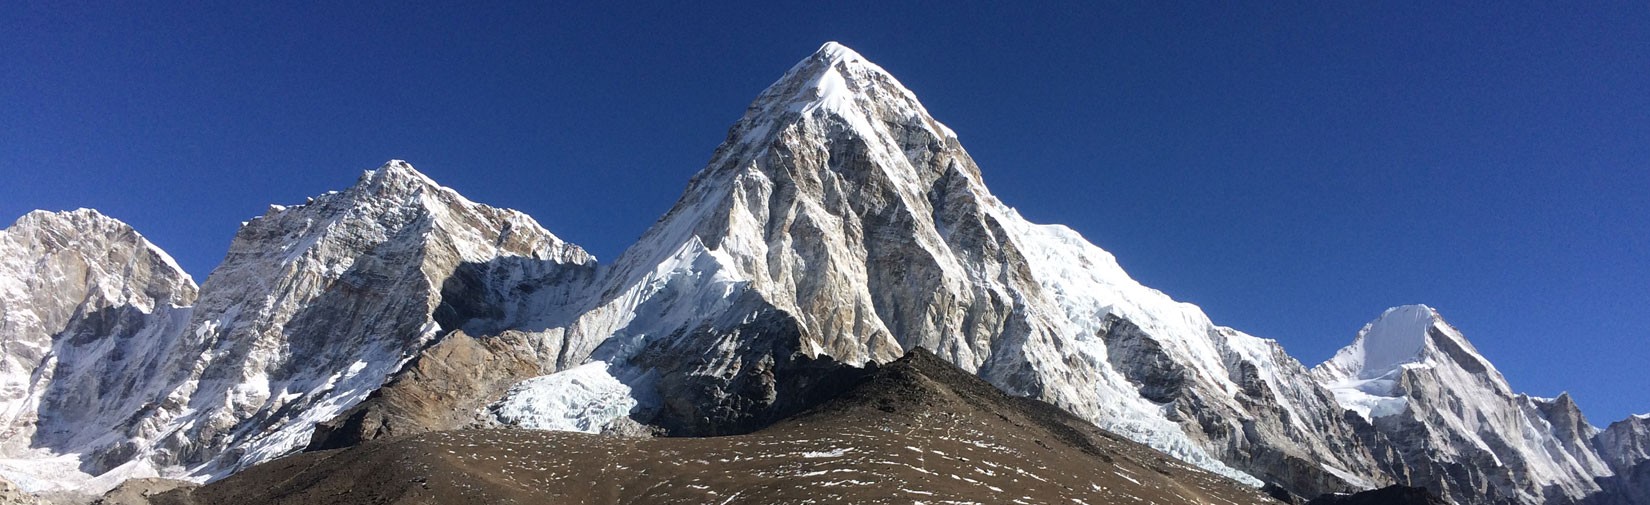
916	430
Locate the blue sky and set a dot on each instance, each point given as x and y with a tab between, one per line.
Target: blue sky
1294	168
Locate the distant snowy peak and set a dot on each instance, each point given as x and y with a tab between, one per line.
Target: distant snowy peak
397	185
1456	420
1366	375
1405	336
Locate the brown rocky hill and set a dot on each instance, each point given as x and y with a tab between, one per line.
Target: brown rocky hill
918	430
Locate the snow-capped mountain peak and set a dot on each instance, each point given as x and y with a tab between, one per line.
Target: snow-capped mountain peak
1408	335
1455	419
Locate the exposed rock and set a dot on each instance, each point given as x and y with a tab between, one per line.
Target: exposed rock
91	319
1390	495
916	430
1463	432
840	220
446	387
144	491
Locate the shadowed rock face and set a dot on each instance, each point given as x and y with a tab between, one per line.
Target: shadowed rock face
444	388
1391	495
917	429
1626	446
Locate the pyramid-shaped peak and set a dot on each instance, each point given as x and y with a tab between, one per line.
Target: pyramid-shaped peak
399	170
832	77
395	178
1404	336
837	81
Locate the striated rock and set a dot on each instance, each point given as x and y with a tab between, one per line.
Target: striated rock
1625	446
91	318
448	386
317	305
314	307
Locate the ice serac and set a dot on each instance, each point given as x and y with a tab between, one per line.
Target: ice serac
1463	431
89	310
839	220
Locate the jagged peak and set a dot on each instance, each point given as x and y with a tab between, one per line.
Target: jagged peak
1403	336
1397	337
80	216
398	174
90	222
838	80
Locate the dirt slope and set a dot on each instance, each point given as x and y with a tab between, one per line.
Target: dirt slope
916	431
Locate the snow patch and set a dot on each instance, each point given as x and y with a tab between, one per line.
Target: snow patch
585	398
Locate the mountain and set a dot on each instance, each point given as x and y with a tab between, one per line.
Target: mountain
93	316
838	228
839	219
1460	427
1625	445
917	429
314	306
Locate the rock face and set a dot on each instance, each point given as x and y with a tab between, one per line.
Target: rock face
1390	495
91	312
1625	445
1462	430
314	307
317	304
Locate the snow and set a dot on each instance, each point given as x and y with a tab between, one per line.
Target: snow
1470	410
585	398
1396	338
833	453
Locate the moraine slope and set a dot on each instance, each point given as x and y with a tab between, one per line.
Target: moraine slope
915	430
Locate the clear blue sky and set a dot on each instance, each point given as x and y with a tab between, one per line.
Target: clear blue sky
1294	168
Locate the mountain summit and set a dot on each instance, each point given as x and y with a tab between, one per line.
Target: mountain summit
838	224
840	220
